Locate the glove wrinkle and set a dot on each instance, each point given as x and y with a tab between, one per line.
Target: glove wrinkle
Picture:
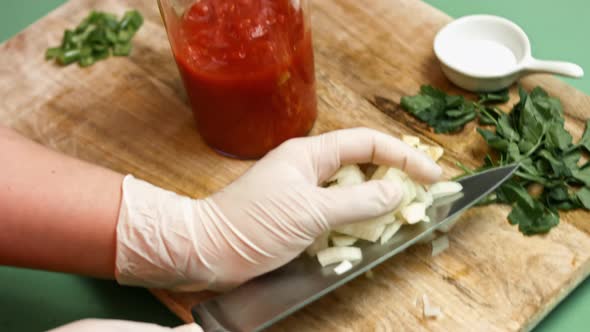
262	216
226	233
247	243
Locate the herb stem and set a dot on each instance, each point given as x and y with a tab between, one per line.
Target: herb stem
535	147
464	168
482	109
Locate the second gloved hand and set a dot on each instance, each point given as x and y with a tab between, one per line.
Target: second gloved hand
262	220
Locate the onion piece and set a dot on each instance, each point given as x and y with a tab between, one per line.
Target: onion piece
348	175
413	141
435	152
409	193
445	188
429	310
440	244
343	267
414	213
423	196
340	240
390	231
369	274
369	230
338	254
422	148
389	173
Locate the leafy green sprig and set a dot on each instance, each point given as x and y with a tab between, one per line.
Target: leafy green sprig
551	176
449	113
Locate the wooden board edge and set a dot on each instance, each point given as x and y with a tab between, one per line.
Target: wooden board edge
175	307
578	278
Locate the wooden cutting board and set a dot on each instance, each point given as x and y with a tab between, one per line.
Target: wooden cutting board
131	115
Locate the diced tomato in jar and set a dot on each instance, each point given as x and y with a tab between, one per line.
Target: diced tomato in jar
248	70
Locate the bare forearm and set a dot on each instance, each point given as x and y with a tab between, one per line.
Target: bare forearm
56	212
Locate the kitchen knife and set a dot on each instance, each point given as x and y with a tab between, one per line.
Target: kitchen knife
263	301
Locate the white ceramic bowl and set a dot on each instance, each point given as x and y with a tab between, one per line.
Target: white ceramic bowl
489	53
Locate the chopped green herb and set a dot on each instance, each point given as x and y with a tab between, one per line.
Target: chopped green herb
52	53
122	49
494	97
95	38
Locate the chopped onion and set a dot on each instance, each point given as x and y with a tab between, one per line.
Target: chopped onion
423	196
410	140
396	175
445	188
435	152
440	244
369	230
320	243
343	267
389	173
348	175
338	254
414	213
411	210
340	240
409	193
429	310
445	201
422	148
390	231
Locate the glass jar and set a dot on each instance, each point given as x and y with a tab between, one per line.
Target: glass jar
248	70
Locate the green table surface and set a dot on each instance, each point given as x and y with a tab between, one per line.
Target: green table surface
36	300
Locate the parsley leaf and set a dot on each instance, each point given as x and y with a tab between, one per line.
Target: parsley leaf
585	139
583	196
533	135
536	219
444	113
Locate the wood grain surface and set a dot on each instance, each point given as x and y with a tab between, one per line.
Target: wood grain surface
131	115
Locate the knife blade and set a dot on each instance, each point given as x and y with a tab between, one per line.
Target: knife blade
263	301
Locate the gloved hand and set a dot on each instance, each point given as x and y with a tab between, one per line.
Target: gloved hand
102	325
262	220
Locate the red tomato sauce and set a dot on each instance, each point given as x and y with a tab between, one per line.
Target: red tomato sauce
248	69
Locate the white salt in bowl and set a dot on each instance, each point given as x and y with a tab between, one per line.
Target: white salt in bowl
489	53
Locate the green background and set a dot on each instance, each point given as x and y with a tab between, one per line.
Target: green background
35	300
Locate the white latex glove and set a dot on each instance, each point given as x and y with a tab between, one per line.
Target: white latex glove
103	325
262	220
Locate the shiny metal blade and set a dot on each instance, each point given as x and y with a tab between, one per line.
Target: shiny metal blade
269	298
